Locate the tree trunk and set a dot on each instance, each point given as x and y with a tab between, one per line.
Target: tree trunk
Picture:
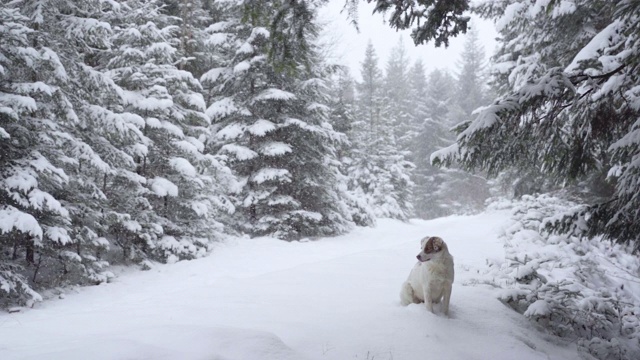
30	255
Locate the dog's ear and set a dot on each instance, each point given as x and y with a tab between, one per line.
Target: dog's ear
438	244
424	241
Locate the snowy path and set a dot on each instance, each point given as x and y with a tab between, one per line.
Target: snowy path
265	299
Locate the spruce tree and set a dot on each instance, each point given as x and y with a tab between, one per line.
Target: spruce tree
271	121
471	88
176	208
379	172
343	119
432	100
397	97
62	165
568	107
28	175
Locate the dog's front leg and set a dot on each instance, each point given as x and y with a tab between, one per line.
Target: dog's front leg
427	300
446	298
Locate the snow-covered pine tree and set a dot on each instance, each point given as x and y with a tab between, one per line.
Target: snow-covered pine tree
31	217
194	17
471	88
398	112
460	191
272	122
66	164
431	20
431	100
417	82
343	100
379	172
175	211
570	107
343	118
370	95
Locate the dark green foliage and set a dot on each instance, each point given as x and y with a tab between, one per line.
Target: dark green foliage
569	109
272	125
443	19
291	25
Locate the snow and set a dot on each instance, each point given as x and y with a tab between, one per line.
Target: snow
275	148
58	235
565	8
592	50
3	133
259	31
240	152
35	87
40	200
22	181
510	13
538	308
160	48
14	219
261	127
196	100
221	108
22	103
274	94
183	166
217	39
584	289
173	129
262	298
242	67
231	131
269	174
149	103
212	75
190	146
163	187
245	48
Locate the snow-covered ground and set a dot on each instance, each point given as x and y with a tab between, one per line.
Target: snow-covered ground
260	299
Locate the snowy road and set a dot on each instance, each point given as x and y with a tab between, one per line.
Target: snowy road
261	299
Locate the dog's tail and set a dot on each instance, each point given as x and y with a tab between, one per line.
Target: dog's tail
406	294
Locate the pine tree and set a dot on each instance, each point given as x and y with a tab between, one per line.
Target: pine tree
272	122
432	20
176	208
28	176
343	119
397	97
569	106
54	165
379	172
472	89
420	106
432	101
370	96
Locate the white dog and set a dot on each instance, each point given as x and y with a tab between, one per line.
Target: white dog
431	278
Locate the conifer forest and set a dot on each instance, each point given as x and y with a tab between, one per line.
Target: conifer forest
144	132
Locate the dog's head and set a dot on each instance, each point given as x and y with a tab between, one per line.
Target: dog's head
432	246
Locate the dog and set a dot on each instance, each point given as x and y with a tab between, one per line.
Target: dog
431	278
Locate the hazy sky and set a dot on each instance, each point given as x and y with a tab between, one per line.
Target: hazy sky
348	46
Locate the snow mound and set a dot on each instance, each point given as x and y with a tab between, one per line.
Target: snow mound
175	342
581	289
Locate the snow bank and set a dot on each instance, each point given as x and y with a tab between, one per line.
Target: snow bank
173	342
586	290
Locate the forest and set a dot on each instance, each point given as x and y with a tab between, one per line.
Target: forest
146	130
136	132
